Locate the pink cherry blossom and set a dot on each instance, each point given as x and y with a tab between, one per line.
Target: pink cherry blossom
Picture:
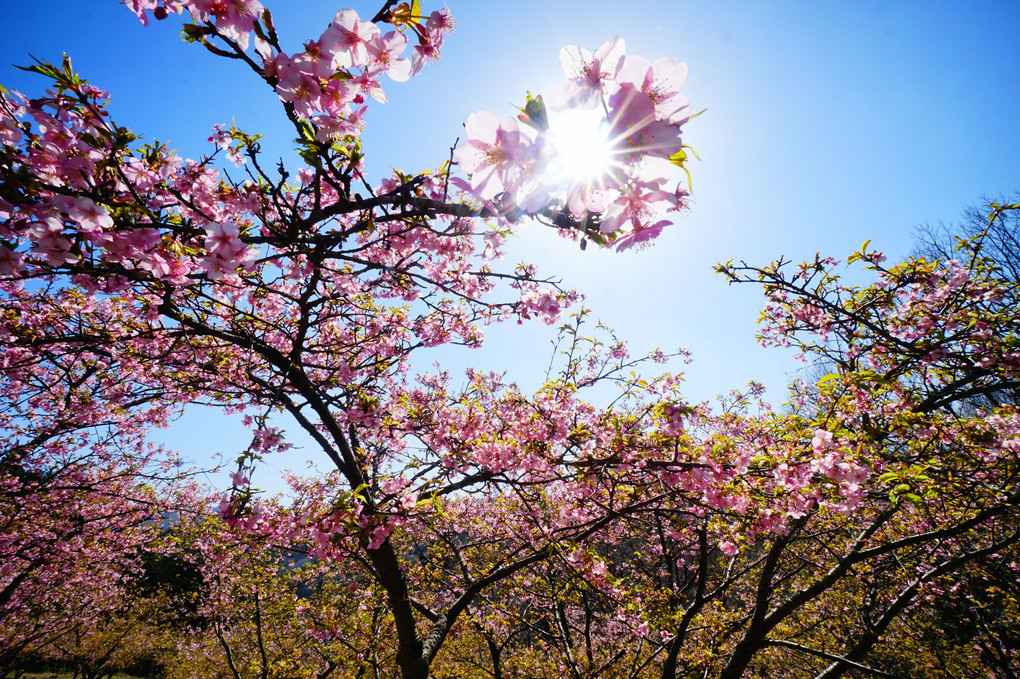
300	88
10	133
383	56
365	85
635	129
661	81
347	39
91	218
496	154
11	261
638	204
587	73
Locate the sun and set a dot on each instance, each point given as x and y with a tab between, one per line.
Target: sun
582	150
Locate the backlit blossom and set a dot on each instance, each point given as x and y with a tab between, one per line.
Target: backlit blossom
587	73
636	130
496	154
639	204
661	81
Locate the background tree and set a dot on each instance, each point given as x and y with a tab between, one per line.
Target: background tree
994	223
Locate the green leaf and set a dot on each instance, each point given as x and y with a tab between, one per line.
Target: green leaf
596	237
42	68
259	31
191	33
680	159
307	131
692	117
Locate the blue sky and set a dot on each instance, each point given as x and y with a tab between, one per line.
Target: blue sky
828	124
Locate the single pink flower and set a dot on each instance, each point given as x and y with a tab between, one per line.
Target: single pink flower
302	89
10	132
237	19
635	130
346	39
440	22
11	261
365	85
661	81
383	56
314	60
139	7
91	218
425	51
640	233
587	73
496	154
640	204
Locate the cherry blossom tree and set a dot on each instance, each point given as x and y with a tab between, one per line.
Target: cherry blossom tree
80	482
817	541
925	479
69	542
144	282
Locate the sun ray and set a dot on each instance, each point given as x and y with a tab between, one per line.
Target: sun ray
583	152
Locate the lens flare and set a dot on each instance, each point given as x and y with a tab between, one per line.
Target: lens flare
583	152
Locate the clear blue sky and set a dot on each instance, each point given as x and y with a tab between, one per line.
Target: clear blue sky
828	124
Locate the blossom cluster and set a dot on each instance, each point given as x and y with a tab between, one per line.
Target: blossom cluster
624	191
330	80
